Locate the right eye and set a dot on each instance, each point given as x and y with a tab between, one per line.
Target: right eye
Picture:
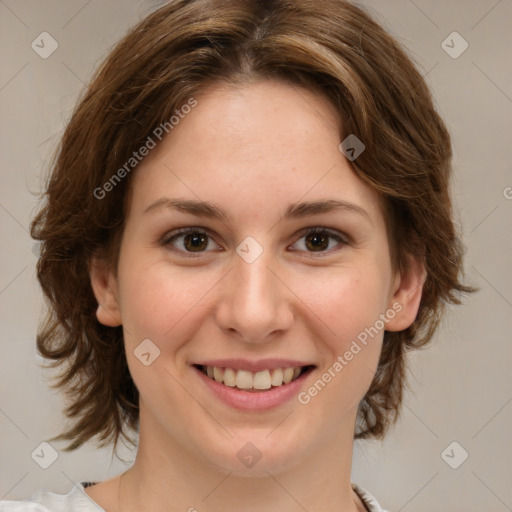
191	239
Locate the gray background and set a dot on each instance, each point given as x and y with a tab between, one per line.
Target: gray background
460	387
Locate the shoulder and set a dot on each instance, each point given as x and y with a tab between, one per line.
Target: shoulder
76	500
370	502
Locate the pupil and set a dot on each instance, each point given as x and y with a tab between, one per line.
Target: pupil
194	241
318	237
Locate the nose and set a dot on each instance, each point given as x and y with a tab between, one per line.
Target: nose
255	303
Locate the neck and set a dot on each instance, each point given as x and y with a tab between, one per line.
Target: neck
165	473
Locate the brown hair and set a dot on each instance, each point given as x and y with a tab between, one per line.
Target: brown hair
330	46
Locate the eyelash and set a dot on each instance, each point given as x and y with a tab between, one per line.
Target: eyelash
169	237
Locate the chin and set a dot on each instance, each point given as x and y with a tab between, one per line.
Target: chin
258	453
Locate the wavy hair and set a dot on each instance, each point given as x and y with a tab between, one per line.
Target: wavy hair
329	46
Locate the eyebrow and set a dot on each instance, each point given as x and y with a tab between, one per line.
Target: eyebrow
293	211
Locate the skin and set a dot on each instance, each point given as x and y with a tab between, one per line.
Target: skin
252	150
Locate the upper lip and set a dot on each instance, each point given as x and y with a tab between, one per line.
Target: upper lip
253	366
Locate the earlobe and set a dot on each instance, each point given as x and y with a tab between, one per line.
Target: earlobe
104	285
406	298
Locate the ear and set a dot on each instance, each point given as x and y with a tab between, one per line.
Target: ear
104	285
406	295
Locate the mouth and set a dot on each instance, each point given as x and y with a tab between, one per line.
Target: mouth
254	382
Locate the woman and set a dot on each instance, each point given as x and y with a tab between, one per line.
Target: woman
247	226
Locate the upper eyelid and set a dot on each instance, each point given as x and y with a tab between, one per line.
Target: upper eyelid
168	236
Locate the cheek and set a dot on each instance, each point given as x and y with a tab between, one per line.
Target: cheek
347	307
346	301
162	302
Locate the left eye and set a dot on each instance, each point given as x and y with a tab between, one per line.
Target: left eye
318	240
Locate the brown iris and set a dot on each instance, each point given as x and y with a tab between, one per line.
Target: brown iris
195	242
318	241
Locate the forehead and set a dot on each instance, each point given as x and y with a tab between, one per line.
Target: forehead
257	145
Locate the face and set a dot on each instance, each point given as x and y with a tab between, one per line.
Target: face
260	283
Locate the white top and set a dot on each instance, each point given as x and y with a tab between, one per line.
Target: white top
76	500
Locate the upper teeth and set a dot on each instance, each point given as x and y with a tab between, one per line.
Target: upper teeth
248	380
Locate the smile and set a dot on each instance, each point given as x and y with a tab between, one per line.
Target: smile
253	381
253	386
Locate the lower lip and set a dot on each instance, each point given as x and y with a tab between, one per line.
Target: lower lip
258	400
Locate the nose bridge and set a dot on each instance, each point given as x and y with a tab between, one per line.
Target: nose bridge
254	301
